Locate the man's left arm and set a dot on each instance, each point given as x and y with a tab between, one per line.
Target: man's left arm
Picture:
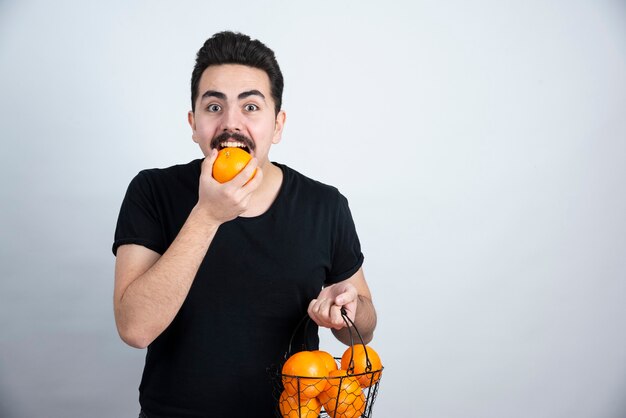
354	295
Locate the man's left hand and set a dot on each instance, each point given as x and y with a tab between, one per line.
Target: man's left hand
326	309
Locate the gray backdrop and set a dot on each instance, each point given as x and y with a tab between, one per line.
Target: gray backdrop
481	146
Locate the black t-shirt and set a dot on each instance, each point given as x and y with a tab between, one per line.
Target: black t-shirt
251	290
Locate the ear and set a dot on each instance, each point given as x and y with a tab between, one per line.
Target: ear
278	126
192	122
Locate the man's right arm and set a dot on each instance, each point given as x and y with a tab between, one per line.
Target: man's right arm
150	288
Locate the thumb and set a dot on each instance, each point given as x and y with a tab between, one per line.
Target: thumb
207	164
212	156
348	295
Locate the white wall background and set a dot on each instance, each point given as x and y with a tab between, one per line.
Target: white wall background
482	146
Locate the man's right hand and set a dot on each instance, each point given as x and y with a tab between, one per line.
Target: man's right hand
222	202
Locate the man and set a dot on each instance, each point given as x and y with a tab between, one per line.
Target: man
213	278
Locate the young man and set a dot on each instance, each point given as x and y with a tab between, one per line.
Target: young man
213	278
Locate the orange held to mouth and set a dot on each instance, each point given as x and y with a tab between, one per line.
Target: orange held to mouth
229	163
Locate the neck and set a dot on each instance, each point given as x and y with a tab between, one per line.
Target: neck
263	197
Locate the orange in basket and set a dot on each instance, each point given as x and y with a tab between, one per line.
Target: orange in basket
359	358
308	381
304	374
344	398
292	407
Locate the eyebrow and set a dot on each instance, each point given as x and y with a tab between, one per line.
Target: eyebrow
213	93
250	93
222	96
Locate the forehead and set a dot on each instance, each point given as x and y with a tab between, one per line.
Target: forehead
232	79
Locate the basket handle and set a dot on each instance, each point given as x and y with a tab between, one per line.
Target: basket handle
306	319
349	322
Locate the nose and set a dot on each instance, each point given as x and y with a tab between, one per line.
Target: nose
231	122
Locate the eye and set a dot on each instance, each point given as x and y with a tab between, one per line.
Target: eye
214	107
251	107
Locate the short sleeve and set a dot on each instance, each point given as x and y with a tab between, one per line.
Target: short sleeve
347	257
138	221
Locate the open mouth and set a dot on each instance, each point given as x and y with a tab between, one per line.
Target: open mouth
233	144
233	140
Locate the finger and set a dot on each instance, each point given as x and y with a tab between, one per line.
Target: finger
253	183
207	164
317	312
206	169
347	295
312	311
335	317
324	307
246	174
324	311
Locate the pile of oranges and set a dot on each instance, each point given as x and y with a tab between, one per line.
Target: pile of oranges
312	380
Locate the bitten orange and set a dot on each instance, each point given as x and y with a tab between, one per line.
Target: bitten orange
292	407
360	364
304	374
229	162
344	398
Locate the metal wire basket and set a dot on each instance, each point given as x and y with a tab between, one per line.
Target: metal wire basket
343	394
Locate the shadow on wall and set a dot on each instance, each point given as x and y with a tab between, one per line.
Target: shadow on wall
5	410
620	409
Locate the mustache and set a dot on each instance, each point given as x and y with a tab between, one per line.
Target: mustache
225	136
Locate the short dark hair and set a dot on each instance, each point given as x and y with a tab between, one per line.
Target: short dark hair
236	48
